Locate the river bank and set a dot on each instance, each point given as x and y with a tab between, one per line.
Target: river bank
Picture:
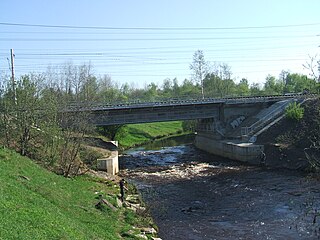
194	195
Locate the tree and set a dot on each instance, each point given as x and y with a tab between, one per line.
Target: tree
243	87
298	83
199	68
255	89
273	86
151	92
219	83
175	88
188	89
167	88
314	67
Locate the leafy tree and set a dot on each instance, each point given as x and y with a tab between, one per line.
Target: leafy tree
273	86
152	92
189	125
188	89
219	83
175	88
167	88
242	88
298	82
255	89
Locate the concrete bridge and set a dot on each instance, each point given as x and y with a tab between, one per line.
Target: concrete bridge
227	127
171	110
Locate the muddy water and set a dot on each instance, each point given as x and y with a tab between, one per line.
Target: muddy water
194	195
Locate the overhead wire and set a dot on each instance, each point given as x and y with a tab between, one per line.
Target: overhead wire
135	56
157	28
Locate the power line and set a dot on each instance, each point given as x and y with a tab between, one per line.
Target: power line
103	53
216	45
155	28
147	39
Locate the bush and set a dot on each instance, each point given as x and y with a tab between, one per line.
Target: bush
294	111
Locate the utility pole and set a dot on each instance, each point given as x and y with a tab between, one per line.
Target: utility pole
13	79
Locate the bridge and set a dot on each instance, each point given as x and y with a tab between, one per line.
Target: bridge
226	127
172	110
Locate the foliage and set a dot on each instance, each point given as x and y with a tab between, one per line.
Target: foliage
37	204
109	131
189	126
218	83
89	156
288	83
34	127
294	111
273	86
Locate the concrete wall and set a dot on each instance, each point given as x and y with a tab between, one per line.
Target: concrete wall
245	152
110	164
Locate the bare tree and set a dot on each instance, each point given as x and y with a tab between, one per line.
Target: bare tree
199	68
314	67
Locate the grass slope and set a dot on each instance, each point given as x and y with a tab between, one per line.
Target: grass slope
37	204
137	134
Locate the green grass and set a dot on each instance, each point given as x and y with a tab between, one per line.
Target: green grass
138	134
38	204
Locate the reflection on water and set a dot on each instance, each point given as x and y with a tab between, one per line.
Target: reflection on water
169	142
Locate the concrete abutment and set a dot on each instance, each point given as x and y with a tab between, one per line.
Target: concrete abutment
245	152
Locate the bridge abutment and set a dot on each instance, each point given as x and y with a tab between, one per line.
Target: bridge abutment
110	164
245	152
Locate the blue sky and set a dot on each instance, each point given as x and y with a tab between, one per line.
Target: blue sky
146	41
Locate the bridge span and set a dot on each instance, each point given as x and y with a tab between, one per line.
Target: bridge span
172	110
226	127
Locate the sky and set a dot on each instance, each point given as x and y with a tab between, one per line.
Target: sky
146	41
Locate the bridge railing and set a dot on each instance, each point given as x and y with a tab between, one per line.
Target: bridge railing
245	131
169	102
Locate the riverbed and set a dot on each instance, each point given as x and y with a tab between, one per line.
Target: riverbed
195	195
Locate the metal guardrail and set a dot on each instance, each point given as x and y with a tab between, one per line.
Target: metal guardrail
245	131
94	106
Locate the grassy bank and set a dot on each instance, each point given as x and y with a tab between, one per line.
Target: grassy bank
38	204
138	134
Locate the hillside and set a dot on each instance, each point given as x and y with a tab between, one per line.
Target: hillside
286	140
137	134
38	204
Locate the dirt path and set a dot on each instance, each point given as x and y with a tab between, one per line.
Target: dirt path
193	195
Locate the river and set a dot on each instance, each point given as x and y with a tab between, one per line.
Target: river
195	195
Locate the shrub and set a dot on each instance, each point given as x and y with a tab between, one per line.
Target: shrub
294	111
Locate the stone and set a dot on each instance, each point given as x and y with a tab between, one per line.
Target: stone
133	198
119	203
141	236
148	230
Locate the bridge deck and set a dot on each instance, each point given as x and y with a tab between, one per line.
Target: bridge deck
93	106
172	110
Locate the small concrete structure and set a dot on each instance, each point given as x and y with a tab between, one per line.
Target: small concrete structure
110	164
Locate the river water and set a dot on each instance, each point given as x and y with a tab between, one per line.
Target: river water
195	195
